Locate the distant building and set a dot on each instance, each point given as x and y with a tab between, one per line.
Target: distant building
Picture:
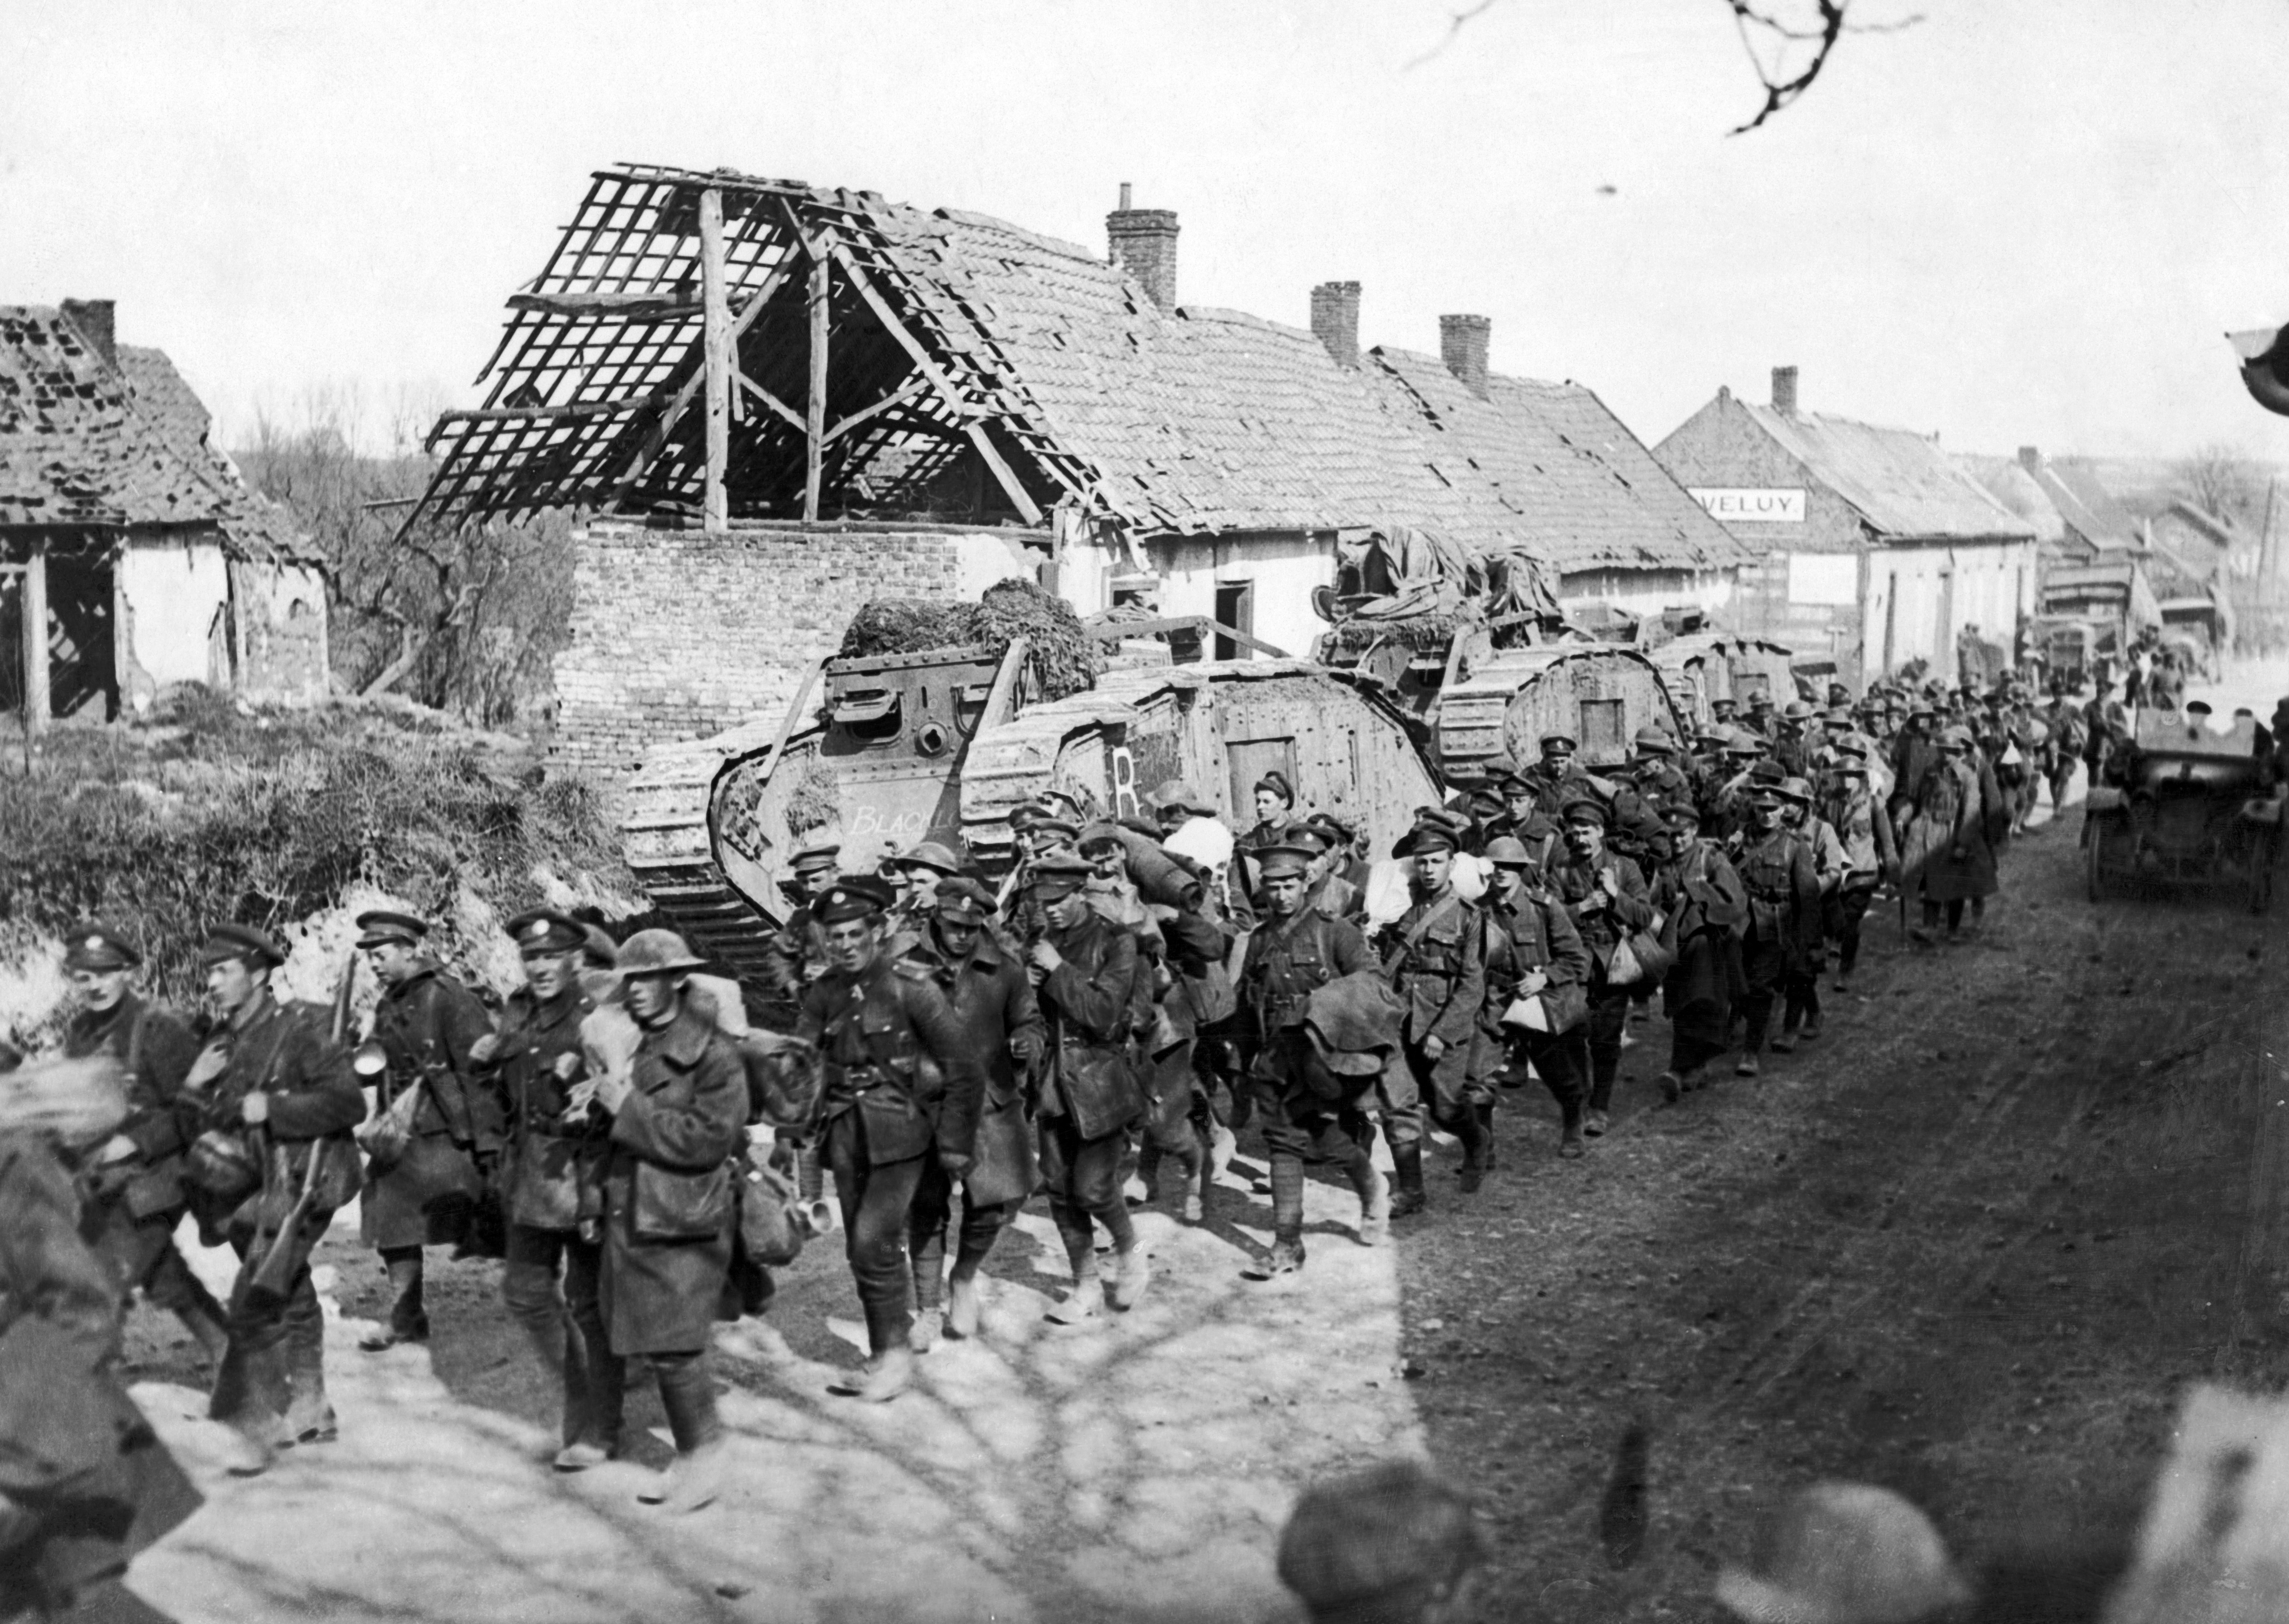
131	551
1871	544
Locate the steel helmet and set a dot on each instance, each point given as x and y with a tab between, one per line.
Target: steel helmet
655	952
1844	1553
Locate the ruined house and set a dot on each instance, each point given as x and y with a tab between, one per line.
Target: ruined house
1872	546
132	553
770	402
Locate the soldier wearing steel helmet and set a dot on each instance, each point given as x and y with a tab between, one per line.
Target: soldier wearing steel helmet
426	1023
136	1196
679	1117
1830	864
1656	773
903	1085
1605	896
559	1140
269	1094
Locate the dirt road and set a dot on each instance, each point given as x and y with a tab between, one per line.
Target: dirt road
1971	1244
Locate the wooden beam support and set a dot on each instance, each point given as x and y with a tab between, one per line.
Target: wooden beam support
815	403
716	360
897	328
1024	504
910	390
655	439
770	400
543	414
35	622
651	305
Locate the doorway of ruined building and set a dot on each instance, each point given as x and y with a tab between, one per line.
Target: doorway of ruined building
76	643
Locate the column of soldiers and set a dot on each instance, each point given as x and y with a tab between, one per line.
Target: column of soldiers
1095	1027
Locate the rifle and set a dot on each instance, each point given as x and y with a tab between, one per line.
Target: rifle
345	991
273	1275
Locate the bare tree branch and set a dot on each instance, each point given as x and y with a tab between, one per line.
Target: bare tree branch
1782	88
1455	23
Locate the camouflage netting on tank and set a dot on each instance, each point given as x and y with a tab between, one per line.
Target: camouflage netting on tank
1061	657
1411	631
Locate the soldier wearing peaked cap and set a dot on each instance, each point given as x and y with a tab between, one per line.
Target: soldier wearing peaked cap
1776	867
993	1001
426	1023
903	1085
1312	1112
136	1190
798	957
558	1142
1660	779
269	1104
1535	958
1605	896
1434	956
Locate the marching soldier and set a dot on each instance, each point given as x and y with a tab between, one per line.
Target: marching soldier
136	1195
679	1117
1558	780
903	1085
1944	848
798	957
1775	866
1434	956
1857	814
1605	896
1659	779
1000	1022
1534	953
270	1095
1084	971
559	1142
1705	905
426	1023
1311	1113
1800	1003
1275	813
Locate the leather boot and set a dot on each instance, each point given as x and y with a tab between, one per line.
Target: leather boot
1407	1161
1374	1202
962	1307
1084	1302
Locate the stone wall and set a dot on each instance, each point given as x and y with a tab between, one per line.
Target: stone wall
280	614
678	634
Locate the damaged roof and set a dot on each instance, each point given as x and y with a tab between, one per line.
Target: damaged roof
87	444
1579	489
1190	421
1903	484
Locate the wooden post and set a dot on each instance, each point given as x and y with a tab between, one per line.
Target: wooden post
35	602
815	438
715	336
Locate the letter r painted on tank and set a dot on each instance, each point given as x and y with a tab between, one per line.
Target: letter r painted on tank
1124	782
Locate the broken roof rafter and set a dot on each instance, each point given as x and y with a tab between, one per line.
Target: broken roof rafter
598	365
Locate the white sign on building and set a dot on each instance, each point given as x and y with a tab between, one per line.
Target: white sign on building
1770	507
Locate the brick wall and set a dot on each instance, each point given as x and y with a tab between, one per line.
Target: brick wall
677	634
280	613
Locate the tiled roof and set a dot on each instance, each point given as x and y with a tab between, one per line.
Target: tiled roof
83	444
1562	472
2007	480
2084	502
1190	421
1901	482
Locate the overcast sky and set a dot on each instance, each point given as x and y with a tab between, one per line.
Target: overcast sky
2019	221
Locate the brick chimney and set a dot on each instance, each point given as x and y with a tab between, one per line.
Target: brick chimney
1784	391
94	318
1143	244
1463	346
2031	459
1335	318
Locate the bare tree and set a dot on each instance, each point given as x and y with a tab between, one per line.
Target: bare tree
465	620
2221	477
